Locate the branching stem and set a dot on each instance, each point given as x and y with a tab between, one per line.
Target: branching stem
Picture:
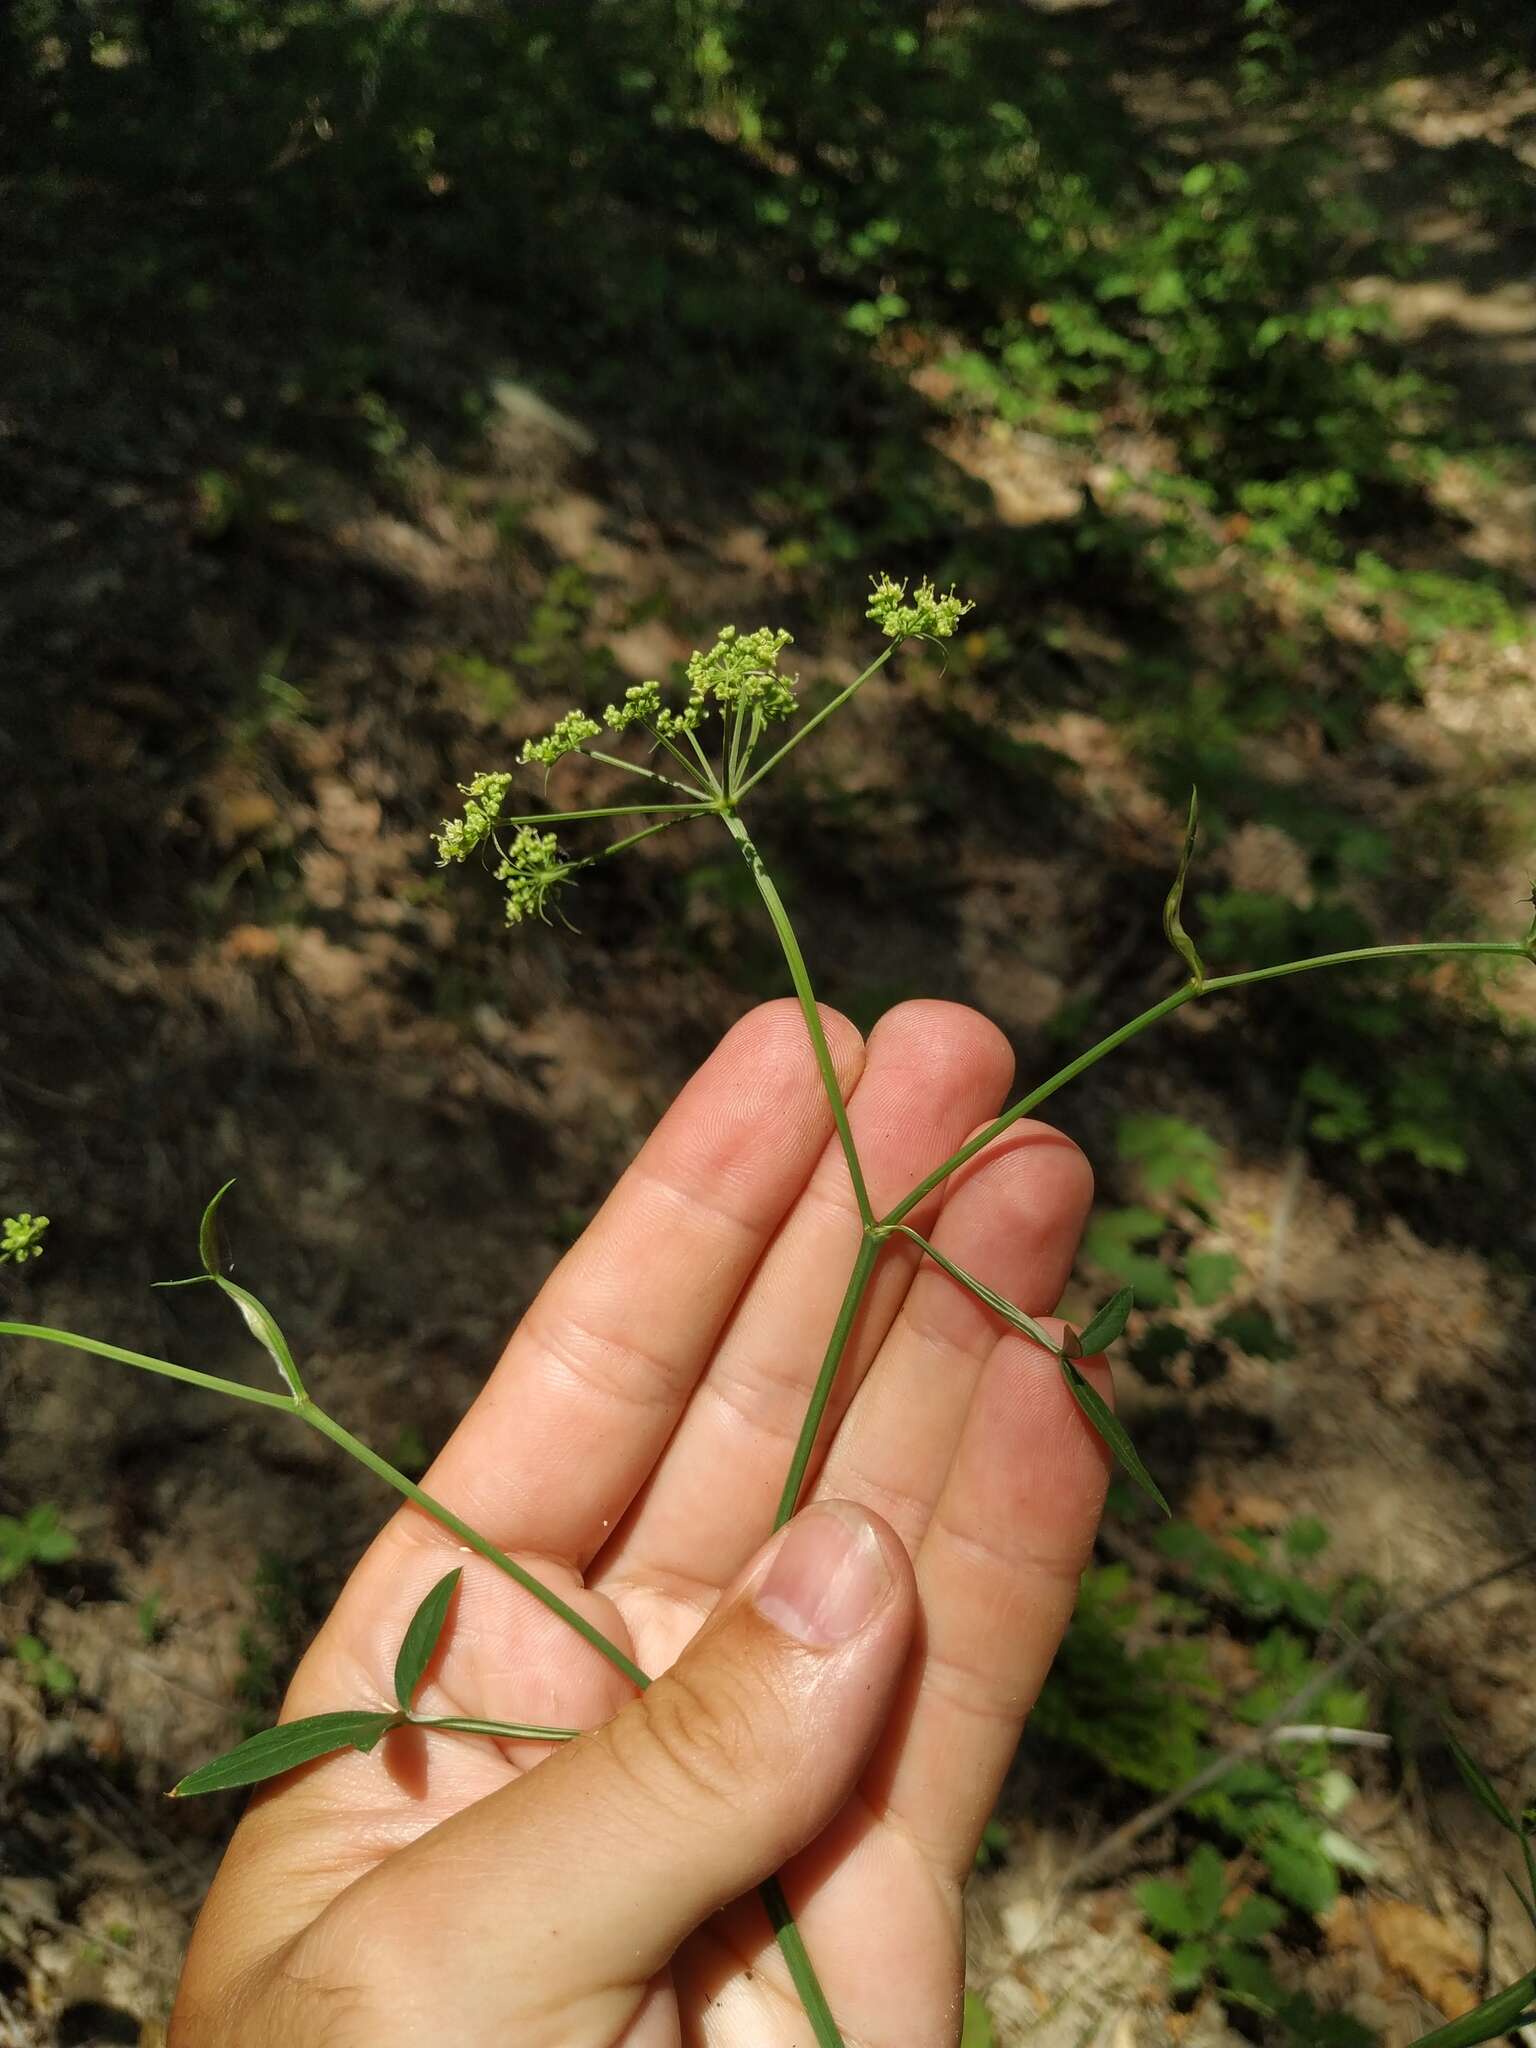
803	732
1505	949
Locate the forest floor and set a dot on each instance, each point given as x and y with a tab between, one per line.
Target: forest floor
422	1110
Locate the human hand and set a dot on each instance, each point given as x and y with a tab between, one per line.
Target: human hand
840	1704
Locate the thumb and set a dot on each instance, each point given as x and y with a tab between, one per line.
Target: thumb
579	1882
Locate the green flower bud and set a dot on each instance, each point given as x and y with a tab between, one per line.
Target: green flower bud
741	670
641	706
21	1237
483	799
530	869
928	613
569	735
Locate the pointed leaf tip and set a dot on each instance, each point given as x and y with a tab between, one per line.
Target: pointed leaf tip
276	1750
1113	1431
208	1233
1477	1782
1173	925
421	1638
1490	2021
1107	1325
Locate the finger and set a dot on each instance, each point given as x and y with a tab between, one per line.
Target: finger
504	1658
1012	1217
932	1071
997	1577
591	1385
554	1902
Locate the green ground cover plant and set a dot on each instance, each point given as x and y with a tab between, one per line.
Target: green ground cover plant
1256	1772
703	750
37	1537
1138	1689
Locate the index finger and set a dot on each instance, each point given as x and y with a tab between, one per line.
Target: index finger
591	1385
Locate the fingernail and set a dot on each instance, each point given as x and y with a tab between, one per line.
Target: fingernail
828	1579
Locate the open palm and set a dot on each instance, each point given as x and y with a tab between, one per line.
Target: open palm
629	1449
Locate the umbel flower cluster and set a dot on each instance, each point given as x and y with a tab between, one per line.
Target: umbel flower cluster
703	749
21	1237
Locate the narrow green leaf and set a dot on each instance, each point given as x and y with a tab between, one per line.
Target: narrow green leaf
1173	926
1490	2021
208	1233
1477	1783
1107	1325
259	1321
421	1638
1113	1431
276	1750
1026	1324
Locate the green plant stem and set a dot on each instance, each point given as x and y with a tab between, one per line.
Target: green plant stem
693	810
803	732
1505	949
1510	949
791	1945
381	1468
800	976
511	1731
798	1963
858	1280
710	778
317	1419
163	1366
689	789
730	762
634	838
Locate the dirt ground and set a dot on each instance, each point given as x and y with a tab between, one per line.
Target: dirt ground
422	1112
